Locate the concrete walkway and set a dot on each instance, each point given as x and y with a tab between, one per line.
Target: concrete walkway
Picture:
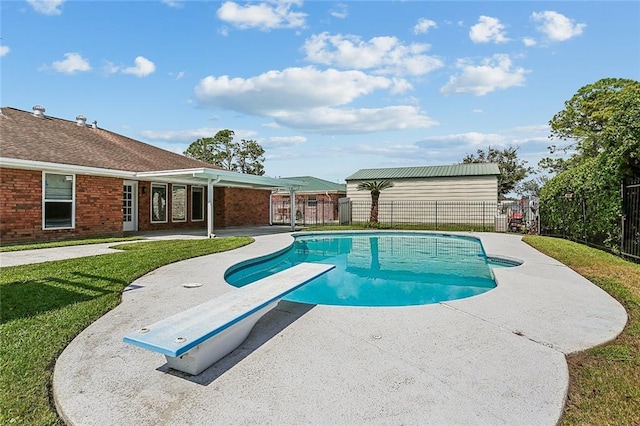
25	257
493	359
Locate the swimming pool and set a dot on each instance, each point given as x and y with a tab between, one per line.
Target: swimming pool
380	268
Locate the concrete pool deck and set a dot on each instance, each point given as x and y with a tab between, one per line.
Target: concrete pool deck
494	359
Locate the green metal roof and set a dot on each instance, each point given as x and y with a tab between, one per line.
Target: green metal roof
319	185
473	169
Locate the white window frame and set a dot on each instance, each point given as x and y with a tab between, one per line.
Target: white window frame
173	187
166	207
72	201
202	214
312	202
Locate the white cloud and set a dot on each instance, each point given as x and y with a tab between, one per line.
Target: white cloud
174	3
529	41
339	11
556	26
358	120
469	139
310	99
423	26
110	68
47	7
179	135
533	128
284	141
496	72
4	50
73	63
291	89
142	68
478	111
487	30
266	15
386	55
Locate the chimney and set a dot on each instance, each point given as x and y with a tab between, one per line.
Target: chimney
38	111
81	120
94	125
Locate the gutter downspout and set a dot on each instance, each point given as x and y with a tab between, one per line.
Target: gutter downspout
210	183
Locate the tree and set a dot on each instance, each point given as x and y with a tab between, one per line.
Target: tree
250	157
244	157
601	120
512	169
374	187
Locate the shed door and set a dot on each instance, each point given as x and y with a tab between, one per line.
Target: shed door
130	206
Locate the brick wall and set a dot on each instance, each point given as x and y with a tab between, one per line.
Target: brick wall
98	208
241	207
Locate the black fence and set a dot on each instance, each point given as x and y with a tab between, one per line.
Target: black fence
441	215
630	244
308	212
579	218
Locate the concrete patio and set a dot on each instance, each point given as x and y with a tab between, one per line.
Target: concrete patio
493	359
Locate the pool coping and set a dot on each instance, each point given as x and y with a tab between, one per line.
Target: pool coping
495	358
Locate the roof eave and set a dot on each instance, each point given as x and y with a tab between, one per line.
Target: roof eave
17	163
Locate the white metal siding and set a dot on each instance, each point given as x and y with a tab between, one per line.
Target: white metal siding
467	188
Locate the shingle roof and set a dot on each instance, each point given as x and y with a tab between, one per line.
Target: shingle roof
474	169
319	185
27	137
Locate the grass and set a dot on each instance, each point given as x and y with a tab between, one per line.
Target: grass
51	244
604	384
44	306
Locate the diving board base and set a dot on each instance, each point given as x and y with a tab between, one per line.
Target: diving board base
217	347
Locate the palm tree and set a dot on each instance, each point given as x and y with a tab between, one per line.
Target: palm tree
374	187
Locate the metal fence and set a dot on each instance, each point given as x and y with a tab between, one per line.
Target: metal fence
579	218
308	212
630	244
440	215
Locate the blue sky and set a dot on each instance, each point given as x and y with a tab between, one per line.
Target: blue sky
326	87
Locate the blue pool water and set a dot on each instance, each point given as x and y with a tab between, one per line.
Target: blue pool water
380	269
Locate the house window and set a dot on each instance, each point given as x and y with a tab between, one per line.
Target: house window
178	203
197	203
312	201
158	202
58	201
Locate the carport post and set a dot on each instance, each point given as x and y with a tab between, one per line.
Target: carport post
210	233
292	197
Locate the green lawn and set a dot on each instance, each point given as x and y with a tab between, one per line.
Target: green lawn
604	384
44	306
18	247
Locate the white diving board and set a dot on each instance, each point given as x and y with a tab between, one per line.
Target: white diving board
195	339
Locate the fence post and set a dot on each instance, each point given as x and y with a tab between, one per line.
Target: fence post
436	215
483	214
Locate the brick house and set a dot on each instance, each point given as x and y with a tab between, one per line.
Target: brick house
63	179
317	202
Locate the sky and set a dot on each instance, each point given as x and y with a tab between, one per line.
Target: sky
325	87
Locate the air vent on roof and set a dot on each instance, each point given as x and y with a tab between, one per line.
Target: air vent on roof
81	120
94	124
38	111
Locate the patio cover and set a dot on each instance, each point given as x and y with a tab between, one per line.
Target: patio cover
216	177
